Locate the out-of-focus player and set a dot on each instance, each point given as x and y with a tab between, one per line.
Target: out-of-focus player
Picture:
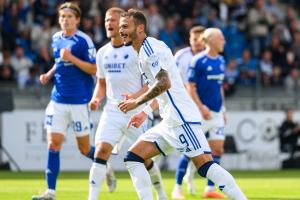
180	128
118	76
205	77
74	54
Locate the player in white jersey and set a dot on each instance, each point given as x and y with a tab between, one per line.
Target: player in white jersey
180	128
118	75
183	59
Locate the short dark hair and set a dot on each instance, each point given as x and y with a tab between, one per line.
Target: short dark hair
73	6
138	16
197	29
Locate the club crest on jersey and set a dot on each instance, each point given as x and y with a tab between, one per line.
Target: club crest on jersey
155	64
209	68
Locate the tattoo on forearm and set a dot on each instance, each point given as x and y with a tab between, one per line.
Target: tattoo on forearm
162	84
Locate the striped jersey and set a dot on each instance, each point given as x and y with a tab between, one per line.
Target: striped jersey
71	84
176	106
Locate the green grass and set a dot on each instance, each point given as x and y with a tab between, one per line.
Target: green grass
258	185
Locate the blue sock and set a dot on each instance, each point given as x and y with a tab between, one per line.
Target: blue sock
91	153
181	168
216	160
52	168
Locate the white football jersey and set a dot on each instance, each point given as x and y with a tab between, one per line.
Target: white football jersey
119	67
183	59
176	106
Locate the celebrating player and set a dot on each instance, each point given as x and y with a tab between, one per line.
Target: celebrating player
180	128
118	76
74	54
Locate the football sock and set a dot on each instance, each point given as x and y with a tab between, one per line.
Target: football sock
223	179
97	176
181	169
156	179
210	185
52	169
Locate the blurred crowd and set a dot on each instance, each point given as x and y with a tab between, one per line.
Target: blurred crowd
262	36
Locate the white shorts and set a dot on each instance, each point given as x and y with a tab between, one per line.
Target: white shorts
187	139
214	128
59	117
112	128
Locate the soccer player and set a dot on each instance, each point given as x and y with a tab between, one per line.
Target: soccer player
205	78
180	128
118	75
183	58
74	54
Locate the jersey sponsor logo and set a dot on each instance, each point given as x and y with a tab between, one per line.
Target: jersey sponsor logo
219	77
126	56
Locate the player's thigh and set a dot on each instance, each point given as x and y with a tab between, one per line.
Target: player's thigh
155	136
57	118
144	149
110	128
80	119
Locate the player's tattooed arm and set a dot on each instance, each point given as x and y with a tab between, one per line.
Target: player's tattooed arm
162	84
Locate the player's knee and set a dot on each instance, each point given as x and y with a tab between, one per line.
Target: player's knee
202	171
53	145
130	156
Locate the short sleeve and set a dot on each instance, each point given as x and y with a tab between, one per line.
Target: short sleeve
90	51
100	70
155	64
192	71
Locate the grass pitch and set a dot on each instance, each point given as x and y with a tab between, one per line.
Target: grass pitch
258	185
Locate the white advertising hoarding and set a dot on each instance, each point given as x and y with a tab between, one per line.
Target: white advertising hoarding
255	135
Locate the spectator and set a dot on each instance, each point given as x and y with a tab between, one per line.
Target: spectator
170	35
6	70
289	133
155	20
21	66
231	77
247	67
292	82
259	22
266	68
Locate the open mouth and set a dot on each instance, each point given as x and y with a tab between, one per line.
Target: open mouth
124	36
110	29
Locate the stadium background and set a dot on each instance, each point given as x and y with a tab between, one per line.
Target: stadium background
262	77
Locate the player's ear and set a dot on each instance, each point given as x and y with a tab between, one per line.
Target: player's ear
141	28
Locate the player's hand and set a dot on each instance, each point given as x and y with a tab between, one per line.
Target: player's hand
44	78
94	104
127	105
205	112
65	54
137	119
